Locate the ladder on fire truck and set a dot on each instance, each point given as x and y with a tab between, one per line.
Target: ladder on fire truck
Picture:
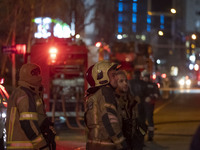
66	93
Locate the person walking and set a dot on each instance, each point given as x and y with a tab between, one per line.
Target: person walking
151	95
102	118
27	125
128	112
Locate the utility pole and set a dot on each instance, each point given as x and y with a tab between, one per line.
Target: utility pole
13	54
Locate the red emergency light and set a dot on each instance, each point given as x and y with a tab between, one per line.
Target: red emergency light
53	54
21	48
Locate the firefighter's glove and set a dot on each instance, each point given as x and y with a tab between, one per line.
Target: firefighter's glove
48	131
49	134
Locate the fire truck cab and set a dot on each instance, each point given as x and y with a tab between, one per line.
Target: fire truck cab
63	64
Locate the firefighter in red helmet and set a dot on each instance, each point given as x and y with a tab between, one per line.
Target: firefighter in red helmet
101	117
27	125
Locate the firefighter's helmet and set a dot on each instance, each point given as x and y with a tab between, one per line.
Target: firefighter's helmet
30	73
100	72
89	77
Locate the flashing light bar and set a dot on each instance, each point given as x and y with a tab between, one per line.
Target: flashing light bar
2	81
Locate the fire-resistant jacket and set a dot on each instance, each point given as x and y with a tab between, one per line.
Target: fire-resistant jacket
128	111
103	121
25	114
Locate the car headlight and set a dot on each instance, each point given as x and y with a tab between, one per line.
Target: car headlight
188	82
181	82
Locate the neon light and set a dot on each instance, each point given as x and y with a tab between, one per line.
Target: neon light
44	26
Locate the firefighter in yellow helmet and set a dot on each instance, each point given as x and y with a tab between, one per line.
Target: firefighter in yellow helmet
26	121
101	117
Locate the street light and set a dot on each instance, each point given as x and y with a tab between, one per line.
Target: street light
193	36
173	11
160	33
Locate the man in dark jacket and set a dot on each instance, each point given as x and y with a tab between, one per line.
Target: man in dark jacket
137	88
128	111
151	95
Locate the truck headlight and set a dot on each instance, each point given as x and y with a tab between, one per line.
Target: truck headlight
3	115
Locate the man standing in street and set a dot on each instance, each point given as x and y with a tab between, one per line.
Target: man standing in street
151	95
102	118
27	125
137	88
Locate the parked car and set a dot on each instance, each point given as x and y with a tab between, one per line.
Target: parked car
3	109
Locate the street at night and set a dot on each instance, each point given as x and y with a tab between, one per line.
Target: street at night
101	73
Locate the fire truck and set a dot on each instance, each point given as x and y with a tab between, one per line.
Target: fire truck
132	56
63	65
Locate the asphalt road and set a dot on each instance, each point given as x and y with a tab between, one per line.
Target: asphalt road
176	120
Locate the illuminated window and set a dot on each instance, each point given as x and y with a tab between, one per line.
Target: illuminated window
148	19
161	26
134	27
120	28
134	18
134	0
134	7
148	27
162	19
120	17
120	6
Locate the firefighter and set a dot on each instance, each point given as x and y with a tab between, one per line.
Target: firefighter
102	118
128	110
151	95
27	125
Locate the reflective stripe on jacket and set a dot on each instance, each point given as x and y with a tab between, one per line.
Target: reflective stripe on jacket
102	119
25	114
